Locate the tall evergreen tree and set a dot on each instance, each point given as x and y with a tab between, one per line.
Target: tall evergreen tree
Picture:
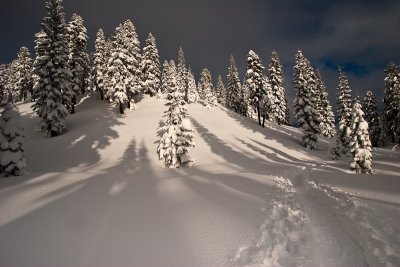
372	118
13	79
151	66
234	98
176	136
268	98
3	82
12	158
182	79
360	145
23	74
344	111
193	95
123	68
304	102
206	89
287	114
278	103
327	118
391	100
164	76
221	91
52	87
100	59
254	77
78	56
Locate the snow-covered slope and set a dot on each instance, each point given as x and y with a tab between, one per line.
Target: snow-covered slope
98	196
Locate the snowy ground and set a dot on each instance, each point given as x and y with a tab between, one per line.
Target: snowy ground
98	196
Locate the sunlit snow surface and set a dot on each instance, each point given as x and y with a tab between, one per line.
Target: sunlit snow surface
98	196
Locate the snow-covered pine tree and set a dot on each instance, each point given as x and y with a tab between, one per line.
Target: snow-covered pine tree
360	145
12	157
176	136
108	93
221	91
344	111
164	76
52	89
304	102
287	114
151	66
78	57
372	118
123	68
391	100
3	82
206	89
12	79
100	62
268	98
278	104
193	95
233	95
327	118
254	78
182	78
23	74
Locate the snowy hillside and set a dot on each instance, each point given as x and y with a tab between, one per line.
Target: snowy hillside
97	195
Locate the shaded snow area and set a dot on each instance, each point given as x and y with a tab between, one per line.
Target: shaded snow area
99	196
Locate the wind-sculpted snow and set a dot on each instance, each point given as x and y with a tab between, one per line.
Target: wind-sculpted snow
378	236
281	233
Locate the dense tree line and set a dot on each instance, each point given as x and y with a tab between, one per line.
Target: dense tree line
121	72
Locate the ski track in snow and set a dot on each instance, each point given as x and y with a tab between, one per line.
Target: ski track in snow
378	236
281	233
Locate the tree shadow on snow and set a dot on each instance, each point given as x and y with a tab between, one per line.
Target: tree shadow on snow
117	217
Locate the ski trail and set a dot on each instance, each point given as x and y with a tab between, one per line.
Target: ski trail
377	236
326	243
281	233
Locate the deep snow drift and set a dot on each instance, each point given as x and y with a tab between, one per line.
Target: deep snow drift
98	196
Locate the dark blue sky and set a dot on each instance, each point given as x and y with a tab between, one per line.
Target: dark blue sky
362	36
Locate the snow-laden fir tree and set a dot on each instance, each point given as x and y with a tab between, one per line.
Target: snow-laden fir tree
23	74
360	145
78	56
164	76
278	103
176	136
193	95
108	48
287	114
327	118
12	79
233	91
12	157
151	66
3	82
254	78
221	91
304	102
52	89
344	111
372	118
100	59
391	100
182	78
123	68
206	89
268	98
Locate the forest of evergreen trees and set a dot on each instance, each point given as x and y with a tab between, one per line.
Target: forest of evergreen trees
122	71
